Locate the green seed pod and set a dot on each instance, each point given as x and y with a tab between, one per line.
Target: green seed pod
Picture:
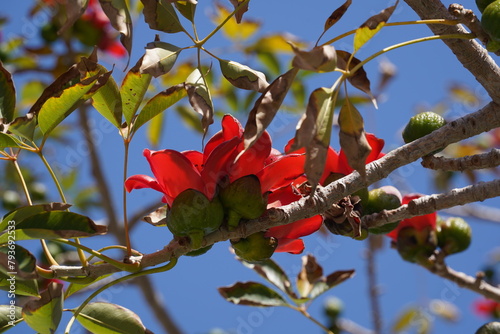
194	216
489	328
255	248
482	4
421	125
416	245
490	20
383	198
454	235
243	199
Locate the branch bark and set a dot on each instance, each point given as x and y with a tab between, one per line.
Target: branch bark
470	53
462	128
478	161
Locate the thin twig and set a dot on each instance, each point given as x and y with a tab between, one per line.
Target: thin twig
490	159
373	288
432	203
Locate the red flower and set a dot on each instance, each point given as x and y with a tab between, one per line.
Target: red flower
487	308
336	163
177	171
288	235
418	222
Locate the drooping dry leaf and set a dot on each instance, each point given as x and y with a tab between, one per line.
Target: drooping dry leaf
266	106
239	13
320	59
119	17
199	98
242	76
352	137
359	79
74	9
310	273
316	153
336	15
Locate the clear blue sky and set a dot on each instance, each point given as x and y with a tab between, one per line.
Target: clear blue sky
424	74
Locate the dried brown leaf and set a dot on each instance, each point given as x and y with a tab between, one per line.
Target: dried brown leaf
359	79
337	15
320	59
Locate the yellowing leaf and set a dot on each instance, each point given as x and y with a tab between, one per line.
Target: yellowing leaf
44	314
371	26
159	58
242	76
233	30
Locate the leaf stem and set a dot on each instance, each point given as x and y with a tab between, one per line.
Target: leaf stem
204	40
410	42
168	266
126	145
304	312
393	24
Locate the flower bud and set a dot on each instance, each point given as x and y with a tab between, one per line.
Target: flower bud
243	199
255	248
416	245
194	216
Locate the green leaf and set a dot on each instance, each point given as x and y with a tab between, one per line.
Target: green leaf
7	141
17	260
76	287
44	314
7	95
10	315
199	98
134	87
107	318
158	104
160	15
12	285
189	117
405	319
273	273
253	294
53	225
326	283
119	17
24	212
107	101
187	9
371	26
242	76
159	58
154	130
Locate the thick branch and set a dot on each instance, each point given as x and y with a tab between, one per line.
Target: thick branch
470	53
462	128
477	161
432	203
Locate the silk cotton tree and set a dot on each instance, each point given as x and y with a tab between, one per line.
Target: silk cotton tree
332	177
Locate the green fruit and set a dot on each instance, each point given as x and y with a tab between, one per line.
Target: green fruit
383	198
49	32
193	215
454	235
243	199
255	248
490	21
421	125
333	308
416	245
199	251
482	4
489	328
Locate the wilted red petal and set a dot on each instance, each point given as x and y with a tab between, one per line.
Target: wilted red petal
174	172
231	128
293	246
281	172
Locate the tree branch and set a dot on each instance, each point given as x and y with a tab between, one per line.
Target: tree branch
478	161
462	128
432	203
471	54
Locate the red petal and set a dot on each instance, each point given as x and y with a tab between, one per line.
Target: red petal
174	172
296	229
282	196
293	246
140	182
418	222
331	165
196	159
219	164
231	128
377	145
281	172
253	160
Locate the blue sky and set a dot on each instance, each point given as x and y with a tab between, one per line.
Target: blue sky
424	75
